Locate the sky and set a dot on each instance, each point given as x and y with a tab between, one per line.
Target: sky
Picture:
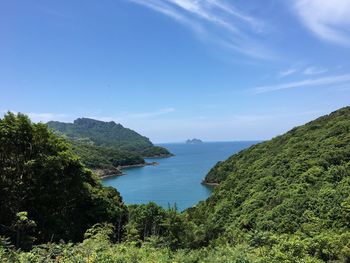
218	70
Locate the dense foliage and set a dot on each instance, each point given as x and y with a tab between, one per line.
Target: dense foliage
285	200
46	194
296	185
99	157
106	145
98	247
108	134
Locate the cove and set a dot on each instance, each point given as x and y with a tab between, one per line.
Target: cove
176	180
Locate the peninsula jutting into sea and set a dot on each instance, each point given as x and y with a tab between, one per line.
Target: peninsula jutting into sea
108	147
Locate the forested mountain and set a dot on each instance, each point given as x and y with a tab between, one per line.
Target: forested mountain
284	200
108	134
104	146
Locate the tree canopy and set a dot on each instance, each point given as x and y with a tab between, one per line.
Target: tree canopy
283	200
106	145
108	134
45	191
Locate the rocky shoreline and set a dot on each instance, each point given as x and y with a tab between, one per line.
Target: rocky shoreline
160	156
105	173
118	171
209	184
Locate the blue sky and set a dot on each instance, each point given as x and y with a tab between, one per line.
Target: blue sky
177	69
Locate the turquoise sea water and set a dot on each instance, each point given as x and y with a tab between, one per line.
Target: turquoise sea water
176	179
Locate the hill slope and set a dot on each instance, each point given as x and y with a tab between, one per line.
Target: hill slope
105	146
108	134
295	184
284	200
107	158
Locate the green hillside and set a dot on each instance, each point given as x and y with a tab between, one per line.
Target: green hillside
99	157
104	146
283	200
294	186
108	134
320	143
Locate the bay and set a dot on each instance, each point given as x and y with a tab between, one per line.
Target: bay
176	179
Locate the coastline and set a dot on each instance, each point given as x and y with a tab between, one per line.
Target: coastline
159	156
118	171
209	184
106	173
137	165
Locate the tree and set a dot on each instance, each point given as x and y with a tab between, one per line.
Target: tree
40	175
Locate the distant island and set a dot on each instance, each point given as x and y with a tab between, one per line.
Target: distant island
194	141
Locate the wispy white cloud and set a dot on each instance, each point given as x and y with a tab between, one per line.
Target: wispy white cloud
300	69
328	19
329	80
287	72
43	117
204	11
121	117
165	9
149	114
127	116
244	119
216	21
257	24
314	71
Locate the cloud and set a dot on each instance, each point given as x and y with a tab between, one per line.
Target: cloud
252	119
233	11
311	70
44	117
287	72
314	71
127	116
215	21
167	10
151	114
147	115
329	80
327	19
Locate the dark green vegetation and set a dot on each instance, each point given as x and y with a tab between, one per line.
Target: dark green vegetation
285	200
108	134
46	193
107	145
104	157
295	187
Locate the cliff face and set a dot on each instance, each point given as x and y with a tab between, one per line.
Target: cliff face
102	173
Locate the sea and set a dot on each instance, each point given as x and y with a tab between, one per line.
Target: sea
175	181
